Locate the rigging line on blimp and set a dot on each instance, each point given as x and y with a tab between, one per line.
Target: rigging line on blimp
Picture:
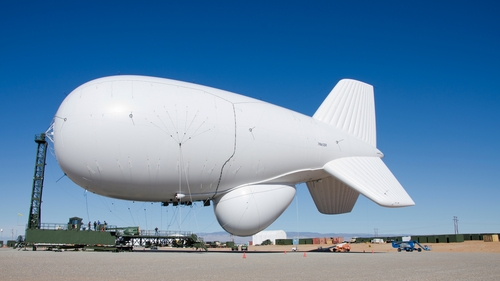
86	203
169	223
184	167
174	219
186	170
105	202
179	198
180	140
187	215
131	215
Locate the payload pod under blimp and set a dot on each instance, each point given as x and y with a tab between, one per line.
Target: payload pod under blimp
160	140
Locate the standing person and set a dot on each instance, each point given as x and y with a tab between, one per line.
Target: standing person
156	230
89	225
95	226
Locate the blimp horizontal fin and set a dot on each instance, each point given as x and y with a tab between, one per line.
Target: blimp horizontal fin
370	177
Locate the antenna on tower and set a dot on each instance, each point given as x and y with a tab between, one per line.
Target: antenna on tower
455	222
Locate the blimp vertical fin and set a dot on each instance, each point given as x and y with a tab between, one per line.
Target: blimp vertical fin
350	106
332	196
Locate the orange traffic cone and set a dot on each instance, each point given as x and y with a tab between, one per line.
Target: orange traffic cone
305	254
285	252
244	255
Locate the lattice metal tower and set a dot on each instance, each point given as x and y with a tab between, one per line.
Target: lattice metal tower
35	215
455	223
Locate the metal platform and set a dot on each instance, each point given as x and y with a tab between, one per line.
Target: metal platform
113	238
151	239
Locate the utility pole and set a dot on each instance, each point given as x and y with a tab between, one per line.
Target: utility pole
375	230
455	222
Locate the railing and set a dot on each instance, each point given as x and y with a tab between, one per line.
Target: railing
54	226
163	233
64	226
166	233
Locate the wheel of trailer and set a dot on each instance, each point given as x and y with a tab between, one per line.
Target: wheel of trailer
411	250
399	249
420	249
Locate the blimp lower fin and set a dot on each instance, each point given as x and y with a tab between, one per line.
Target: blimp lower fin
332	196
370	177
350	107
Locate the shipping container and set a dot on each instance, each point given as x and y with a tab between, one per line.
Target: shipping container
466	237
490	238
284	241
475	237
454	238
421	239
305	241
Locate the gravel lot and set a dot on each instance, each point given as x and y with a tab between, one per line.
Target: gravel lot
163	265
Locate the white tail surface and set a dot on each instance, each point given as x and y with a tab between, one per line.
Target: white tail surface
350	106
370	177
332	196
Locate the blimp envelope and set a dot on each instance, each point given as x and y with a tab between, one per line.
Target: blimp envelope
154	139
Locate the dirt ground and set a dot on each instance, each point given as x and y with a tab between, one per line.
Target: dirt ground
462	247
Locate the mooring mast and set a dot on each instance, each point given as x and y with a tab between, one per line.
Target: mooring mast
35	215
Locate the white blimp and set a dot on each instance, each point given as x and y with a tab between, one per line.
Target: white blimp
160	140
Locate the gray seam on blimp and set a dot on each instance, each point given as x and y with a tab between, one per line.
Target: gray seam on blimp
230	157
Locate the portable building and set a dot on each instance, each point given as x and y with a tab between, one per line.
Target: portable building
272	235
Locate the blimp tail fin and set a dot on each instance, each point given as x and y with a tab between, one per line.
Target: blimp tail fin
332	196
370	177
350	106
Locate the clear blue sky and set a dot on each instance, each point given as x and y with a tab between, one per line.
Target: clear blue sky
435	66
